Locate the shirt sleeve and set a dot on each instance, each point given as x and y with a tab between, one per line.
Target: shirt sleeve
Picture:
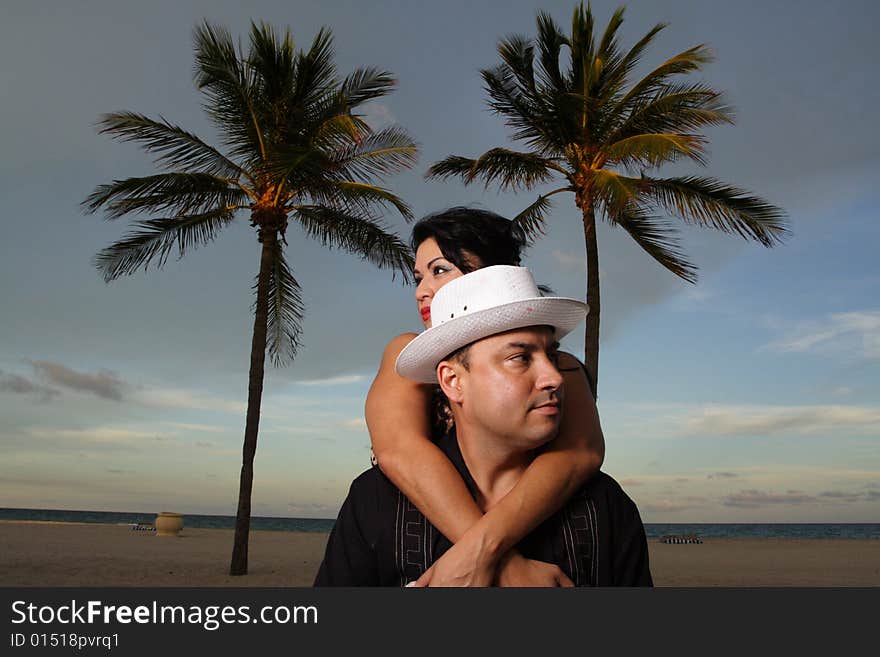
630	553
350	558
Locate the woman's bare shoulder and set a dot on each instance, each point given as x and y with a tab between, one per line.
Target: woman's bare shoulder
568	361
397	343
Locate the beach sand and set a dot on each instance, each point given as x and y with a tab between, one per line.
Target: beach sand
62	554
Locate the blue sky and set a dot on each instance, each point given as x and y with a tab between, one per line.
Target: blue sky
749	397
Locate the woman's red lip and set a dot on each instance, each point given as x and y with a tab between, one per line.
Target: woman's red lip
426	312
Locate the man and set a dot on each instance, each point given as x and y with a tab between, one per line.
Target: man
492	349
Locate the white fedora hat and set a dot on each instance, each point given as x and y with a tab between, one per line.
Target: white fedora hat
479	304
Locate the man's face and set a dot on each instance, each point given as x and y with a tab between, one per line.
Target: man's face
512	388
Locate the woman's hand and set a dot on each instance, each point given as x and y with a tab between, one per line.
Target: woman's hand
470	562
515	570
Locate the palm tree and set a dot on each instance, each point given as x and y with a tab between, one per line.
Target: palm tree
603	137
295	151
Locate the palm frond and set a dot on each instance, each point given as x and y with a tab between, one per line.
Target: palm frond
157	238
274	63
175	147
380	153
357	234
366	84
658	238
652	150
529	122
296	163
615	191
608	44
362	196
230	92
617	75
550	42
708	202
607	59
675	108
582	50
452	166
684	62
315	70
518	56
510	169
286	311
338	131
533	218
176	193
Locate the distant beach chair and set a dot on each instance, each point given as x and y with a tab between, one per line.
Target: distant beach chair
680	539
142	527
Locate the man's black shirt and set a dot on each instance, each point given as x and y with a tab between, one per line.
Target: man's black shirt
381	539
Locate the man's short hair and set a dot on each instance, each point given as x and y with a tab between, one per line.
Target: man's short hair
460	356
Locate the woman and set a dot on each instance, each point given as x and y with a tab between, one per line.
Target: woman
399	413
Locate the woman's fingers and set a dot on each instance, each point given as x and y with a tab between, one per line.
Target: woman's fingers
563	580
424	580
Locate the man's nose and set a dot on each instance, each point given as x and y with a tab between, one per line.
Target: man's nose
549	377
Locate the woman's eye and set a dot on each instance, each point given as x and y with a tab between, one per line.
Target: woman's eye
440	269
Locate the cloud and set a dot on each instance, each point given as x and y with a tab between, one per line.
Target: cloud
856	333
722	475
189	426
344	380
313	510
188	400
104	383
354	423
841	496
569	260
99	437
766	420
19	385
751	499
377	115
697	295
669	505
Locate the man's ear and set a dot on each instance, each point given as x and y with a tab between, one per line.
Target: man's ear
448	376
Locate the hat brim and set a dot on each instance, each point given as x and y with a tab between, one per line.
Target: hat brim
419	359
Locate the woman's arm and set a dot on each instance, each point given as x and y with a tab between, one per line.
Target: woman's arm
397	414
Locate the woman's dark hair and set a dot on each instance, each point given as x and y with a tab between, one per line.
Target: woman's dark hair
462	233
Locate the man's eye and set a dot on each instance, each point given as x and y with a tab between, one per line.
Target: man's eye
522	358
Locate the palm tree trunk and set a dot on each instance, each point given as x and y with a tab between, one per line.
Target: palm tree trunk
239	562
591	335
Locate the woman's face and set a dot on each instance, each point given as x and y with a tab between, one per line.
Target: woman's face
432	271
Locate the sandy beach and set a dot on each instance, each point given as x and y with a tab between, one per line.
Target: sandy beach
62	554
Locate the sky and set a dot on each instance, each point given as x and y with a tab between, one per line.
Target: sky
752	396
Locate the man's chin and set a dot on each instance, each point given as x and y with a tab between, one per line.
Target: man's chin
544	435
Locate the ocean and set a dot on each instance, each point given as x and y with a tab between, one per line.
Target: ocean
653	530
